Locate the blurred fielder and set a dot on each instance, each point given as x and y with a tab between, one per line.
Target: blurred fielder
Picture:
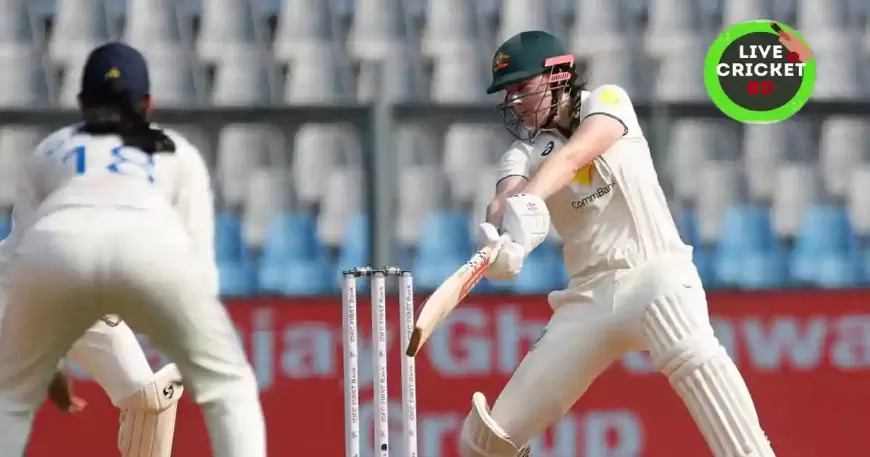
114	216
582	163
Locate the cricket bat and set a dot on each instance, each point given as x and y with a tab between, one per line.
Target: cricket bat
449	294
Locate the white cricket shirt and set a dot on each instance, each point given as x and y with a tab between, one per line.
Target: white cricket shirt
71	169
614	214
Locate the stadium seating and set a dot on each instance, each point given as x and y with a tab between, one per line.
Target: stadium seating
764	206
5	225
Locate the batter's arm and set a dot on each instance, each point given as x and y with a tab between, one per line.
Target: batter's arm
602	127
507	187
514	169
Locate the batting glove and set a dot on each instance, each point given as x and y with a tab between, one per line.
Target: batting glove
527	220
60	392
509	261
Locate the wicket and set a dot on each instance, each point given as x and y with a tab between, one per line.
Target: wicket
379	360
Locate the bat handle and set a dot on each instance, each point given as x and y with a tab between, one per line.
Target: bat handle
414	343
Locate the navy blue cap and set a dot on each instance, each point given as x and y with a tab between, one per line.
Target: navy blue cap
113	68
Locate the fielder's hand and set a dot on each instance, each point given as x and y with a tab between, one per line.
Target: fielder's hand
509	261
60	393
527	220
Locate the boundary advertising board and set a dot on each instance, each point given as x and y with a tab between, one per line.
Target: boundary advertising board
805	355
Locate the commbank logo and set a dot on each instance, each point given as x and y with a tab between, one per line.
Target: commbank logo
600	192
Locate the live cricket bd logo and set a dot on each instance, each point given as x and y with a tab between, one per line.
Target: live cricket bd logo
759	72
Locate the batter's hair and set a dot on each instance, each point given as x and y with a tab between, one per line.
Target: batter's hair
578	84
119	112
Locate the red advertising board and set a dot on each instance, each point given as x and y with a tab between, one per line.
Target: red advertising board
805	355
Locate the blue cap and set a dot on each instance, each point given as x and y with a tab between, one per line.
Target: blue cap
113	68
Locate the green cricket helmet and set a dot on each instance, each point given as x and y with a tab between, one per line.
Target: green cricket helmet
525	56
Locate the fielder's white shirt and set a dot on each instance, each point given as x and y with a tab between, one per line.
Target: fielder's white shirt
614	214
70	169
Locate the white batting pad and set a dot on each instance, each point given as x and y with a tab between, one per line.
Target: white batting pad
685	349
482	437
148	416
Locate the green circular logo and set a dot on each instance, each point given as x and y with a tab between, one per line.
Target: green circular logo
759	72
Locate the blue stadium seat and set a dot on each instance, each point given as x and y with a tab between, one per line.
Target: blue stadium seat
356	240
495	286
228	237
865	261
764	270
548	249
825	242
352	258
563	271
746	228
445	233
541	274
484	287
687	225
292	236
293	261
825	229
405	257
298	277
431	270
237	278
704	263
270	277
309	278
802	268
747	237
5	225
831	269
835	271
728	267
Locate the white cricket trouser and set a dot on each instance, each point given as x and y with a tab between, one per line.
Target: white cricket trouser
74	266
111	354
113	357
660	307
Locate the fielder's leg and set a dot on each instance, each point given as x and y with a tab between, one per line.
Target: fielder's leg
47	310
148	416
684	348
167	299
576	346
200	338
110	352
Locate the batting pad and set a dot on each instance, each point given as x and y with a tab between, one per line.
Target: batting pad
482	437
148	416
685	349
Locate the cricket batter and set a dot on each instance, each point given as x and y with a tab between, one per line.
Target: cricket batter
114	216
581	162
